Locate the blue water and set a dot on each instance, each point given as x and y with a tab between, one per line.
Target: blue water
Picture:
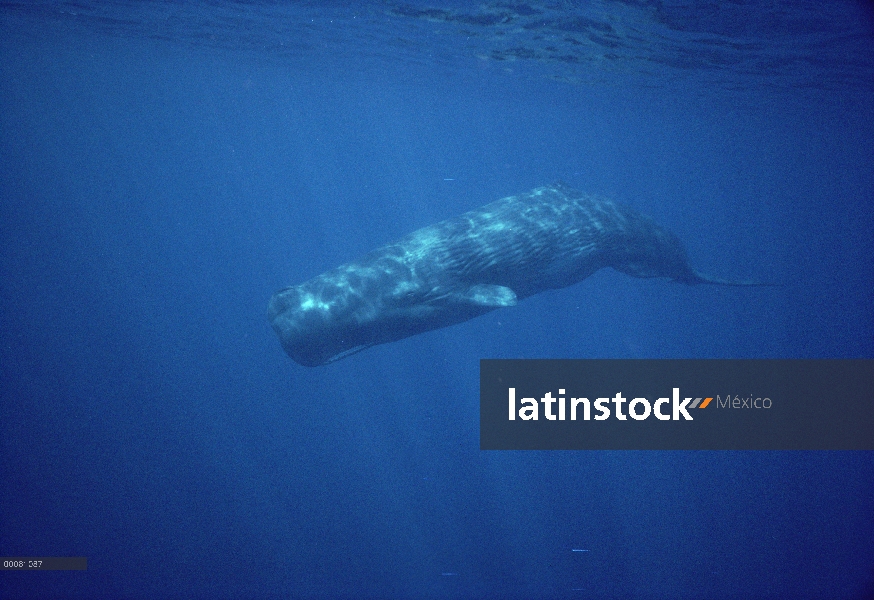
164	168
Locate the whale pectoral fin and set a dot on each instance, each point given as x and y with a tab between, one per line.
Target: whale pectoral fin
495	296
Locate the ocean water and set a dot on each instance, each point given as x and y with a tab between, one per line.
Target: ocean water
166	167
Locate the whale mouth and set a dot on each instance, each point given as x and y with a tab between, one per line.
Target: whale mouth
348	352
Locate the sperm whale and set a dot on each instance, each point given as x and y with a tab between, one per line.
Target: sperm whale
466	266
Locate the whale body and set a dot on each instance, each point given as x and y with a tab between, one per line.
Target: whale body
463	267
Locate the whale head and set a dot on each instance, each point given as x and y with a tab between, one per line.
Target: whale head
352	308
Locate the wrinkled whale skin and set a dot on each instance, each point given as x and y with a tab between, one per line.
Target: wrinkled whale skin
463	267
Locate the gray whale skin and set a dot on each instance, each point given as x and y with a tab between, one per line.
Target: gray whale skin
458	269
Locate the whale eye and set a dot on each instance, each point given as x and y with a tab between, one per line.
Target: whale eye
405	292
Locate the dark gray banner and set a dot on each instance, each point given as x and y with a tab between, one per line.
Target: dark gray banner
677	404
44	563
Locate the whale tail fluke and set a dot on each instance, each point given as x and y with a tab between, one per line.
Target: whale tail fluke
698	278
